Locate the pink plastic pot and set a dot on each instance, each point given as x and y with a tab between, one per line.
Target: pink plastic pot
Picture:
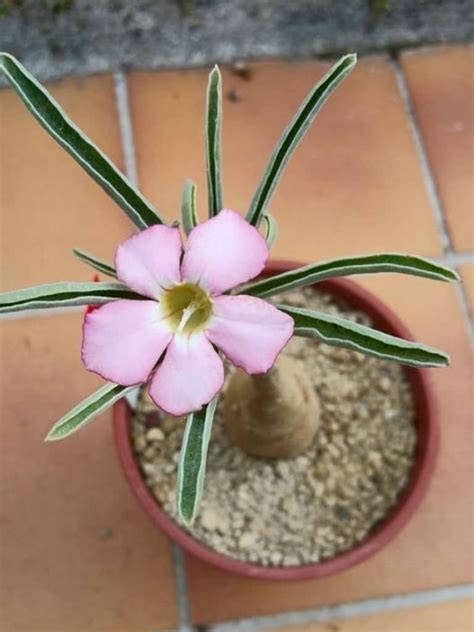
427	426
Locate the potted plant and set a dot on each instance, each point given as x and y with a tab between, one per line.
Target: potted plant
314	444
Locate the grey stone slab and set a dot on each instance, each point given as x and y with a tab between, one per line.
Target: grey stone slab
62	37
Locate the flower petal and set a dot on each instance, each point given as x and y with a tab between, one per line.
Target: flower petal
123	340
250	331
190	375
149	261
223	252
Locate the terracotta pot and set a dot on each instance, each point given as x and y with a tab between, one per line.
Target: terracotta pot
427	427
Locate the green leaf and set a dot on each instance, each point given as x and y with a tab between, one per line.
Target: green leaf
50	115
188	207
340	332
192	465
95	262
86	410
365	264
271	229
293	135
66	294
213	141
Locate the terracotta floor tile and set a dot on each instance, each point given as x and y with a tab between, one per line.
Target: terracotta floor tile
467	273
61	569
436	548
50	547
48	203
452	616
441	81
356	175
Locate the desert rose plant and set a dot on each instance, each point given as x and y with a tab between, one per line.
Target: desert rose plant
173	310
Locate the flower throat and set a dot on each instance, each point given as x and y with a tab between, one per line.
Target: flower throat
187	308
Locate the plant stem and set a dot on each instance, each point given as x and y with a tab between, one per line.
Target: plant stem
274	415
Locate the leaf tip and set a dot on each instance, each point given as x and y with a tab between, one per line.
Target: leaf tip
450	275
186	517
51	436
442	360
350	60
446	360
6	58
215	73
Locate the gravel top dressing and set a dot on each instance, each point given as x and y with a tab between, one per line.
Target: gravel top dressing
312	507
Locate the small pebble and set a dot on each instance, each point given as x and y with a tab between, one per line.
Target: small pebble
291	560
140	442
209	519
302	462
149	453
283	469
247	540
155	434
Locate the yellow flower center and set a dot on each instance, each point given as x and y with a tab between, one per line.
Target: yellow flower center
187	308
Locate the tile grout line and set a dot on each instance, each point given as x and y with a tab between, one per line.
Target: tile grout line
125	123
347	610
466	310
129	151
430	182
455	259
184	610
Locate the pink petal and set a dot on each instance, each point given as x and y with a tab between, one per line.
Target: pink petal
190	375
250	331
149	261
223	252
123	340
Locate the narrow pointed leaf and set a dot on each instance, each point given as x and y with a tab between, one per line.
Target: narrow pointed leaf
340	332
213	141
188	207
86	410
54	295
293	135
95	262
365	264
50	115
271	229
192	465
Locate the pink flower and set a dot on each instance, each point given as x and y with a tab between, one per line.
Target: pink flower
171	338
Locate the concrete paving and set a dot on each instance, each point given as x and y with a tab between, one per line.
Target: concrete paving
62	37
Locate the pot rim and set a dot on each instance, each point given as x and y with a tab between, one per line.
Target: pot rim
428	438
